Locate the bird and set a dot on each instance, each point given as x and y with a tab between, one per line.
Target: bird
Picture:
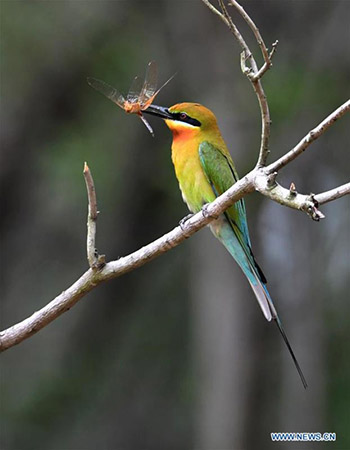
205	170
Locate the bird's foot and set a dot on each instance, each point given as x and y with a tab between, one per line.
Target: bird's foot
184	220
205	211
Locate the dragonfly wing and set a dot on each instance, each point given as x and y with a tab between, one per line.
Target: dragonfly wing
135	90
149	101
163	85
150	84
107	90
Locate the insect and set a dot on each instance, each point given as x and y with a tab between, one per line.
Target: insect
140	95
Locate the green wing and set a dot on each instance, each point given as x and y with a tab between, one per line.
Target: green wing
221	175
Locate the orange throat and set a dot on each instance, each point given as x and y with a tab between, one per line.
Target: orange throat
181	132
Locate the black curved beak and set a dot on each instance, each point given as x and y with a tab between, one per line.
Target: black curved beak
159	111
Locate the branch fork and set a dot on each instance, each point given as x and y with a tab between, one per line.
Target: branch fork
266	184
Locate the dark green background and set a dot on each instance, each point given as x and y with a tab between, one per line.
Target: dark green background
176	354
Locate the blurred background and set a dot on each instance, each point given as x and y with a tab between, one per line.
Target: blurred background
177	353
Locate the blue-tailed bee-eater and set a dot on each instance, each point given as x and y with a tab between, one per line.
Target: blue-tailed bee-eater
205	170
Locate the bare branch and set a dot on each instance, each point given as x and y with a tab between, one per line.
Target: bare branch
62	303
332	194
312	135
95	261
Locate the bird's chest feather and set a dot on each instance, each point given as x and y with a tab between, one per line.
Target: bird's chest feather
194	185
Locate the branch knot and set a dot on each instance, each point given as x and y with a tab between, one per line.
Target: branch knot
311	208
271	180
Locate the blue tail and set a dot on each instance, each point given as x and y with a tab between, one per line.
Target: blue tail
241	252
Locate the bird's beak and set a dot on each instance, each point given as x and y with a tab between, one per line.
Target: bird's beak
159	111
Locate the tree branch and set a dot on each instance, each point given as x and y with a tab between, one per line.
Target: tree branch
332	194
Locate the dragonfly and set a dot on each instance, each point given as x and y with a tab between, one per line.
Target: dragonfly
140	96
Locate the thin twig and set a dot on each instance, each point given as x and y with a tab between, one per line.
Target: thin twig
268	64
255	30
92	217
216	11
90	187
309	138
95	261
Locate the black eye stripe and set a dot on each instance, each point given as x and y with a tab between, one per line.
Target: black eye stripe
183	117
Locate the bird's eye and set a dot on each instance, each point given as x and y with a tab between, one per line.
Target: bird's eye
183	116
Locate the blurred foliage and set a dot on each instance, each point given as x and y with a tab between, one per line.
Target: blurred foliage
176	354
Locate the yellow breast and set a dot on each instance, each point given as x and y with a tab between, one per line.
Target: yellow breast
194	186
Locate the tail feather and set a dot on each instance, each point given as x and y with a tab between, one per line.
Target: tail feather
267	305
281	330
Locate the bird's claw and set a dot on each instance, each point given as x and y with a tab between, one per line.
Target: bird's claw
184	220
205	212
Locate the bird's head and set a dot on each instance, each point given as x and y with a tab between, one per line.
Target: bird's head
185	118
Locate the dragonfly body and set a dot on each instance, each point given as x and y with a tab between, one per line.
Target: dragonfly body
132	108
